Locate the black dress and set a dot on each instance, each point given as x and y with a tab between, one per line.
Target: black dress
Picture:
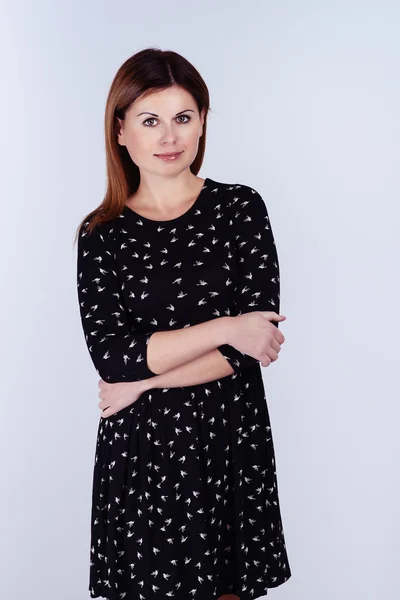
185	495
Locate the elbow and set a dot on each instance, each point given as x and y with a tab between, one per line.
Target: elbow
121	369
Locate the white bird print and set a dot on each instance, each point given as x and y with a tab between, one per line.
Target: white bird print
121	276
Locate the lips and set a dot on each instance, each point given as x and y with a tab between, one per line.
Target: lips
169	154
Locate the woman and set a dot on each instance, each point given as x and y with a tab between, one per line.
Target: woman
178	287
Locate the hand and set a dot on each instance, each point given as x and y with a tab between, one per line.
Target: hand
116	396
253	334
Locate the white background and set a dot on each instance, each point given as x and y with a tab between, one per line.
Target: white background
305	101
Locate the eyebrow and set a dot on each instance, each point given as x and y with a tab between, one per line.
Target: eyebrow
154	114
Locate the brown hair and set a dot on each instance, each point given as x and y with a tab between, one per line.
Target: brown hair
143	73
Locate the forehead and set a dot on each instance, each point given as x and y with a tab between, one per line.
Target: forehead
170	99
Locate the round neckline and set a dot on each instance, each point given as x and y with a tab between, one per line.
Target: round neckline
128	210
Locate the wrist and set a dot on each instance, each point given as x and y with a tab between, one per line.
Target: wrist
147	384
227	324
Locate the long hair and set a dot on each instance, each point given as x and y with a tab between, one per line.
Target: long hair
143	73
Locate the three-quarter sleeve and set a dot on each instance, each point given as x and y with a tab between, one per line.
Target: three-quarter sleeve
257	263
118	352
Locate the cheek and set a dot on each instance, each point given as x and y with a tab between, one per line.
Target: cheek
190	138
139	143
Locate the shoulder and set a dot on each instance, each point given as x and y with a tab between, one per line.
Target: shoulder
239	196
100	235
232	190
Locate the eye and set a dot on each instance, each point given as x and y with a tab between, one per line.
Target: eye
185	117
147	120
180	117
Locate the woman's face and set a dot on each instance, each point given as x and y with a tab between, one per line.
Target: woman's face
163	122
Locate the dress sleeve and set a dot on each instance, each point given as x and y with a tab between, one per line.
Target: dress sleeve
117	351
257	263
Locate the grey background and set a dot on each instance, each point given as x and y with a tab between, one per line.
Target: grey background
305	99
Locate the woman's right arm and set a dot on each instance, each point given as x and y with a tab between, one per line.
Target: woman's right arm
118	352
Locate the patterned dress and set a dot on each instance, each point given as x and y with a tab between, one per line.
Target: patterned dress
185	499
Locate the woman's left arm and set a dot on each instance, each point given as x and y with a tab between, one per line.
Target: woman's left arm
258	266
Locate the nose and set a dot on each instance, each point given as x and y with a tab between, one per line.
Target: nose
168	135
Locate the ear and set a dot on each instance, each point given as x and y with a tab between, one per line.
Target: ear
202	120
120	132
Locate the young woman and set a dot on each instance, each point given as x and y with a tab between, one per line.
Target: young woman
178	288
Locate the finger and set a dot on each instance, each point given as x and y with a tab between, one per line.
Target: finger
265	361
275	346
107	412
273	356
273	316
279	336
